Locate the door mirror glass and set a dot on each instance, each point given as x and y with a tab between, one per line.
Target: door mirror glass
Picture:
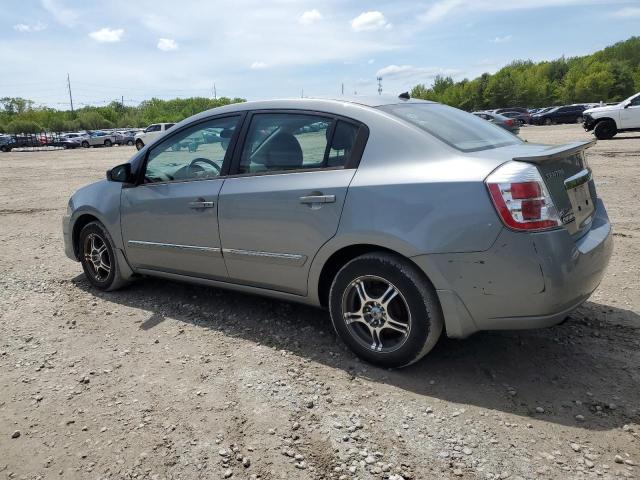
120	173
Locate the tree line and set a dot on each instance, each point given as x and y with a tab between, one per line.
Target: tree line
19	115
608	75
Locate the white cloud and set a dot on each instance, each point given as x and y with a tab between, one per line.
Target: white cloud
258	65
309	17
24	28
369	21
505	39
107	35
629	12
63	15
409	72
167	44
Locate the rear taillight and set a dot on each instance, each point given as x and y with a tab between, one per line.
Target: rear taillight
521	197
509	122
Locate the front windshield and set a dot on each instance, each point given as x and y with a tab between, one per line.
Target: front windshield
457	128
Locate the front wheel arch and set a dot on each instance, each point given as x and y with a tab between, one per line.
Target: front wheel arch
78	225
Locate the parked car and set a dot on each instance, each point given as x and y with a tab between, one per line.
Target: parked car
75	137
99	139
565	114
525	115
150	133
518	117
607	121
405	218
508	124
125	137
8	143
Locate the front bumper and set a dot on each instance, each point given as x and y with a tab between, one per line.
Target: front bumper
523	281
67	237
588	122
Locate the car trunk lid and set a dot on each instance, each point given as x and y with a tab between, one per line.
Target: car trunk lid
568	179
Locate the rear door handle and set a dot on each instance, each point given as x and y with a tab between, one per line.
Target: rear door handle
309	199
200	204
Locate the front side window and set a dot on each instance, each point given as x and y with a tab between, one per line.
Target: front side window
192	154
457	128
153	128
284	141
635	102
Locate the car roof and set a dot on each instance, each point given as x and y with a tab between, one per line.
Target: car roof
328	104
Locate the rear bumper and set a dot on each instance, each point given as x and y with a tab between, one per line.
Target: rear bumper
523	281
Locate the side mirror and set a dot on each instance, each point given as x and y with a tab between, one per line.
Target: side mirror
627	104
120	173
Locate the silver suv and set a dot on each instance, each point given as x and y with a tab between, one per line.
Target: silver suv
403	217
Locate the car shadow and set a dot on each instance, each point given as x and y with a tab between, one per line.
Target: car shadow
589	366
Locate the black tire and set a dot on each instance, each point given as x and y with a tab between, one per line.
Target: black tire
415	300
93	237
605	130
108	143
5	149
139	144
85	144
130	143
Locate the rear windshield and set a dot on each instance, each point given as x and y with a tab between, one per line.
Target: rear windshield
457	128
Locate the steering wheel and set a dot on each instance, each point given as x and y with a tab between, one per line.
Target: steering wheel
203	160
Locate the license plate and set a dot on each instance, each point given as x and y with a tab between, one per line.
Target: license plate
581	202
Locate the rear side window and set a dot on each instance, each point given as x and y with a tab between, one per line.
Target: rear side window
291	141
457	128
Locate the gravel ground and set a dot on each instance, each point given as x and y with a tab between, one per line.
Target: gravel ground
167	380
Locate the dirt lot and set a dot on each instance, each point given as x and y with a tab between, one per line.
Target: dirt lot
165	380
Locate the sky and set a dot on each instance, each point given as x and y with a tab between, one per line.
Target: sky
284	48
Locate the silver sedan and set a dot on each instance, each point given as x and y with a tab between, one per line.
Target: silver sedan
404	218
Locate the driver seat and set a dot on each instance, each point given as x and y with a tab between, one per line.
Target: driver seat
283	153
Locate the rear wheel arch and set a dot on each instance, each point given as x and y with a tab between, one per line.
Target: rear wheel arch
344	255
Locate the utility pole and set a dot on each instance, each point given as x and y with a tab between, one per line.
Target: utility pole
343	88
70	96
122	101
379	79
302	93
215	93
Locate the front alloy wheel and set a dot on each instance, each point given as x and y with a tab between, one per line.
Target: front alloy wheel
96	253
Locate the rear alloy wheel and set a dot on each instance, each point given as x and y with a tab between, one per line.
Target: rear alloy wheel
85	144
579	119
605	130
384	310
98	259
139	144
548	121
107	143
130	143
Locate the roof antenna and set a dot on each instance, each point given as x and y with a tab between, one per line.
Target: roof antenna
404	96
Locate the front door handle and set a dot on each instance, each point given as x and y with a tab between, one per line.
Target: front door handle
310	199
200	204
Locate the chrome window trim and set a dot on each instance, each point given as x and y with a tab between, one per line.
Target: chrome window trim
189	248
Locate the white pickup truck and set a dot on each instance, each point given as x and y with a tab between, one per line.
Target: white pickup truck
151	133
609	120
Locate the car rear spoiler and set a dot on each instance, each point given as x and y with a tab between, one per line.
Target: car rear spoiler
555	152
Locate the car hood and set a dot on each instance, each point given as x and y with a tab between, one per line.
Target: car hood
606	108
